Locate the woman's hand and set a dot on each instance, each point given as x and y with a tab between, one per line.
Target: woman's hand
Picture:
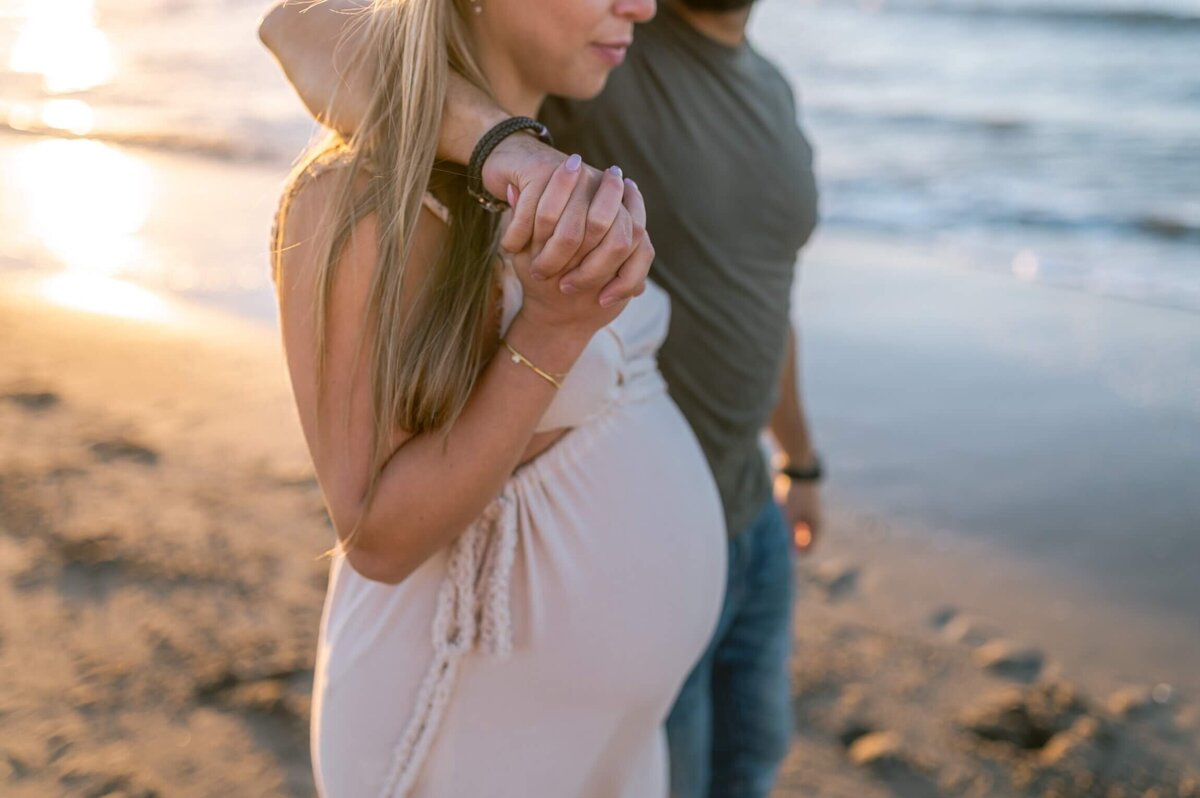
609	272
563	236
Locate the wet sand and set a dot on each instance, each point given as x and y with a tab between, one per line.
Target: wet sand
1056	424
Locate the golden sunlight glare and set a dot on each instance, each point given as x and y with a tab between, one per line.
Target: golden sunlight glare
85	200
104	295
75	116
60	41
86	203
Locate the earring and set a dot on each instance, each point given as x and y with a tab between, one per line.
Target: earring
477	6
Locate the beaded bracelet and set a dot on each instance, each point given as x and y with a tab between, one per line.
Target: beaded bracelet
484	148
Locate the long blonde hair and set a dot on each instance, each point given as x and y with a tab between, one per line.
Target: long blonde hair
425	358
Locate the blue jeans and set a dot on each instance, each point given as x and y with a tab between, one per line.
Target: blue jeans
731	725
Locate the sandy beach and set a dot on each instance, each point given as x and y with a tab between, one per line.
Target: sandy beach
160	579
1001	338
158	535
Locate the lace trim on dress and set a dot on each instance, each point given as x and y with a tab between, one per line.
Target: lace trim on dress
473	611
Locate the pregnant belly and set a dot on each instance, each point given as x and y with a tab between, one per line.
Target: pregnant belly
622	550
616	584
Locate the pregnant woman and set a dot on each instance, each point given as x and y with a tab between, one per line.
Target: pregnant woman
531	549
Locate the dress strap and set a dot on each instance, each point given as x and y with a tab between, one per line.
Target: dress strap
437	206
473	611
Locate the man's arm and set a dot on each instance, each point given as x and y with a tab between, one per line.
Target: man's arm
317	44
328	83
789	427
307	38
788	423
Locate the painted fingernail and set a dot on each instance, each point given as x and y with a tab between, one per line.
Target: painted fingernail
615	170
512	195
573	163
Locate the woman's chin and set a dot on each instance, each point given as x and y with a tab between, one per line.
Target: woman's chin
584	87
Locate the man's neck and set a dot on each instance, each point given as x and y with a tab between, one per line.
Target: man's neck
726	27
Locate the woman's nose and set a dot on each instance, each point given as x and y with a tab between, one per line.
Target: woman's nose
635	10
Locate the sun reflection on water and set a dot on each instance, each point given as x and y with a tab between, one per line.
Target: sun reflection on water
104	295
75	116
82	202
61	42
86	203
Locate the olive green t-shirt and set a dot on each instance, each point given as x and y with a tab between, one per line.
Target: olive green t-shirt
709	134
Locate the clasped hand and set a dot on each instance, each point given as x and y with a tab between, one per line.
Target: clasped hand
576	235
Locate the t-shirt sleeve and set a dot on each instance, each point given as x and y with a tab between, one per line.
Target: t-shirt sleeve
563	117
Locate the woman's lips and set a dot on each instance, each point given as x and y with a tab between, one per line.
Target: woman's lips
612	54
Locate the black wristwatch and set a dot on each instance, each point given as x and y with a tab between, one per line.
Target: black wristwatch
810	473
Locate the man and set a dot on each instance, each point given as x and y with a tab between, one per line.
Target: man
707	128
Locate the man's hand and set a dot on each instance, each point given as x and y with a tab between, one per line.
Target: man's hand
802	508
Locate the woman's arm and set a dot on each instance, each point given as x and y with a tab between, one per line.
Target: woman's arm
314	44
433	485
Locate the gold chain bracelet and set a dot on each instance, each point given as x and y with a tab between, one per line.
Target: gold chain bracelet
517	357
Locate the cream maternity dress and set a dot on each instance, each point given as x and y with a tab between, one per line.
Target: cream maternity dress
538	656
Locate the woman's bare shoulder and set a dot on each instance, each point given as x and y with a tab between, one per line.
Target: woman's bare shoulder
305	225
308	226
311	192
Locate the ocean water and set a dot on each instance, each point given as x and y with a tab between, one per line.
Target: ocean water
1054	140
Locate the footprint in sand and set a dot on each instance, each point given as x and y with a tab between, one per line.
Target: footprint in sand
1012	660
836	579
1026	718
122	449
886	755
33	400
284	693
942	616
960	627
1139	701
